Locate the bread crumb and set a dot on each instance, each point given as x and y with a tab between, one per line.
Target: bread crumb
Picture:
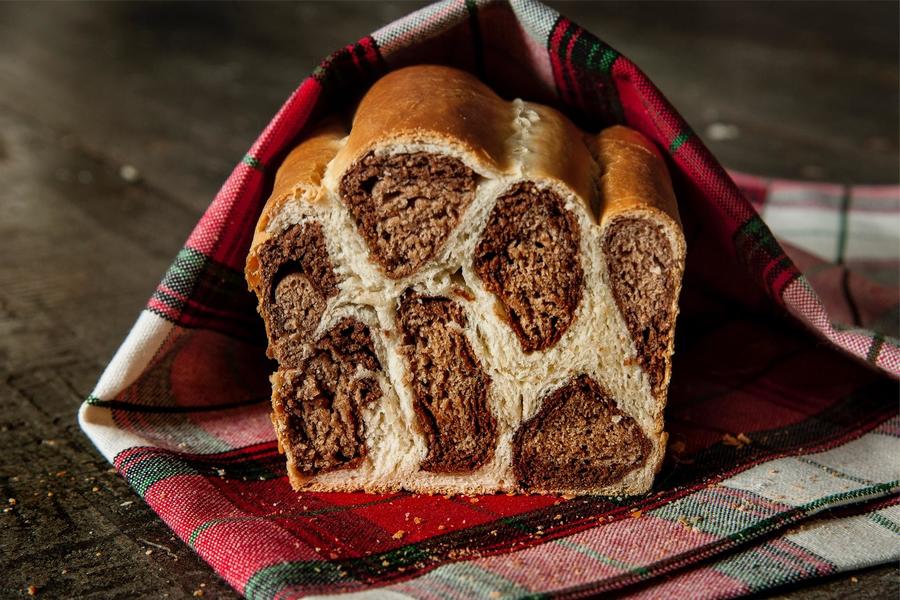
399	534
441	527
557	517
474	500
12	501
32	590
738	441
730	440
385	563
689	522
854	580
95	489
198	593
636	514
417	520
49	494
148	552
494	594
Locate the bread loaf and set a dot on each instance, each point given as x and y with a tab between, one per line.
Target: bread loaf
468	295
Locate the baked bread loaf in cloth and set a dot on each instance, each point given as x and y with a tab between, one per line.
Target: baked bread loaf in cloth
466	295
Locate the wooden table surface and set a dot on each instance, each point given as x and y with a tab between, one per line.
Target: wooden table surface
118	122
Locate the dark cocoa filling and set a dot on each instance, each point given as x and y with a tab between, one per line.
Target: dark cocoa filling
528	257
450	388
323	398
578	440
406	205
298	280
640	261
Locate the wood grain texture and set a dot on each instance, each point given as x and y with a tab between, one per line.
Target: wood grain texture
179	91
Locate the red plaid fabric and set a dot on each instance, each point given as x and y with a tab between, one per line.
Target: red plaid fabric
769	424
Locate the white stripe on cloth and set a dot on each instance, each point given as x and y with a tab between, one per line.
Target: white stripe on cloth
852	542
803	480
145	338
129	362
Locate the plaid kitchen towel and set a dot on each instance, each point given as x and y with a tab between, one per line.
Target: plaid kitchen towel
782	404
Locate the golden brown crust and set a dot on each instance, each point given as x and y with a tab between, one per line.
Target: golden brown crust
555	152
635	184
299	178
432	104
634	175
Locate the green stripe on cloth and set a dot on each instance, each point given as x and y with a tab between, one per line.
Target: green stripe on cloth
885	522
607	57
186	267
192	539
268	581
809	508
757	567
840	253
148	471
832	471
842	226
758	232
252	162
875	348
679	141
786	557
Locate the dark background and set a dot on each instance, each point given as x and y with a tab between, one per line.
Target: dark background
118	123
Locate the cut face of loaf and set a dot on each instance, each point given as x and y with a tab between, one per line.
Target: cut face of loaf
469	295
